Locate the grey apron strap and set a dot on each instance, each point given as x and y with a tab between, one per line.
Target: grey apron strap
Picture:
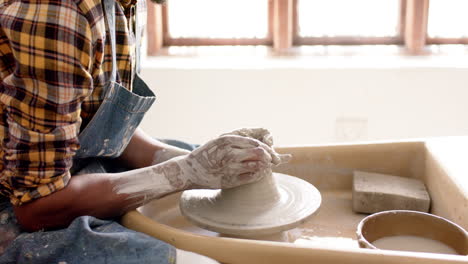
120	113
109	12
137	27
138	35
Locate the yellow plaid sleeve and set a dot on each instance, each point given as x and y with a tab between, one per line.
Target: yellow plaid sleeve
51	45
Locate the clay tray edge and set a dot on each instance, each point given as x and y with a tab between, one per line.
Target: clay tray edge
436	161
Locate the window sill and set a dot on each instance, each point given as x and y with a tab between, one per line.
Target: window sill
315	57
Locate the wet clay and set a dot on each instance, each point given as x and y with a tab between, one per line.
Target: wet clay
413	243
334	224
276	203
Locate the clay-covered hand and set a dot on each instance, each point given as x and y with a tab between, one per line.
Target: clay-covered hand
264	136
261	134
225	162
168	152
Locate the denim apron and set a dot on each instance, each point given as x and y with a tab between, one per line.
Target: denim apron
88	239
112	126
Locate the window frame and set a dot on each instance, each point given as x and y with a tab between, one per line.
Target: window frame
161	37
442	41
283	31
348	40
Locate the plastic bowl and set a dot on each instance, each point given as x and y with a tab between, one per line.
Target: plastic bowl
411	223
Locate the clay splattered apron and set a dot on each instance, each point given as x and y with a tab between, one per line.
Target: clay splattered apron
120	113
88	239
111	128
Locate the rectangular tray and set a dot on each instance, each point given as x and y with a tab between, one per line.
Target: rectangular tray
330	235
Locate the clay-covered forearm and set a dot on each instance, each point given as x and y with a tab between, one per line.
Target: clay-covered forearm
102	195
88	194
224	162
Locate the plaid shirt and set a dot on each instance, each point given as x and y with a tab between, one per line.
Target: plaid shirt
54	62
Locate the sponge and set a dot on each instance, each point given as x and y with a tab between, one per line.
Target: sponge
375	192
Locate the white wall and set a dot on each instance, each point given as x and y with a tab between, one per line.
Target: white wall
304	103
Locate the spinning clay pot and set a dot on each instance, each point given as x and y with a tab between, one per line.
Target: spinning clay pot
276	203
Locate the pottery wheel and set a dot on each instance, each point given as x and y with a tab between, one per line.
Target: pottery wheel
276	203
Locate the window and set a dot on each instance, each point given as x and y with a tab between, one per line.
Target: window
224	19
447	22
348	22
209	22
283	24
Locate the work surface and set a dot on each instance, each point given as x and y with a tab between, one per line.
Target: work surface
334	225
329	236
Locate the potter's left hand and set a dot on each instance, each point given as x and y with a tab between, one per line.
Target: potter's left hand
225	162
258	133
264	136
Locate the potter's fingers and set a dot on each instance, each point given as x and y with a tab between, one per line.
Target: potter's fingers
232	141
262	154
253	166
268	139
275	157
285	158
237	168
250	177
261	134
240	142
252	154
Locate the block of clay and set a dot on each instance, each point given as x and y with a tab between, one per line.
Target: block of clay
375	192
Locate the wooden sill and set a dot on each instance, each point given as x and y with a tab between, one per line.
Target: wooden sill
316	57
309	50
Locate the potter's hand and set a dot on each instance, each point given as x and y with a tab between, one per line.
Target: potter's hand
264	136
225	162
168	152
258	133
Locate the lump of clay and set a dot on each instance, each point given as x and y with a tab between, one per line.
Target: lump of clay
375	192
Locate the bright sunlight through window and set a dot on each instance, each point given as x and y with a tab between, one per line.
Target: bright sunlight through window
334	18
448	19
218	18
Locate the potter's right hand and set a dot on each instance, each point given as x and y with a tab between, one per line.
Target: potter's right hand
258	133
264	136
225	162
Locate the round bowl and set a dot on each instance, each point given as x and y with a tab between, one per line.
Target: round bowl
404	223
